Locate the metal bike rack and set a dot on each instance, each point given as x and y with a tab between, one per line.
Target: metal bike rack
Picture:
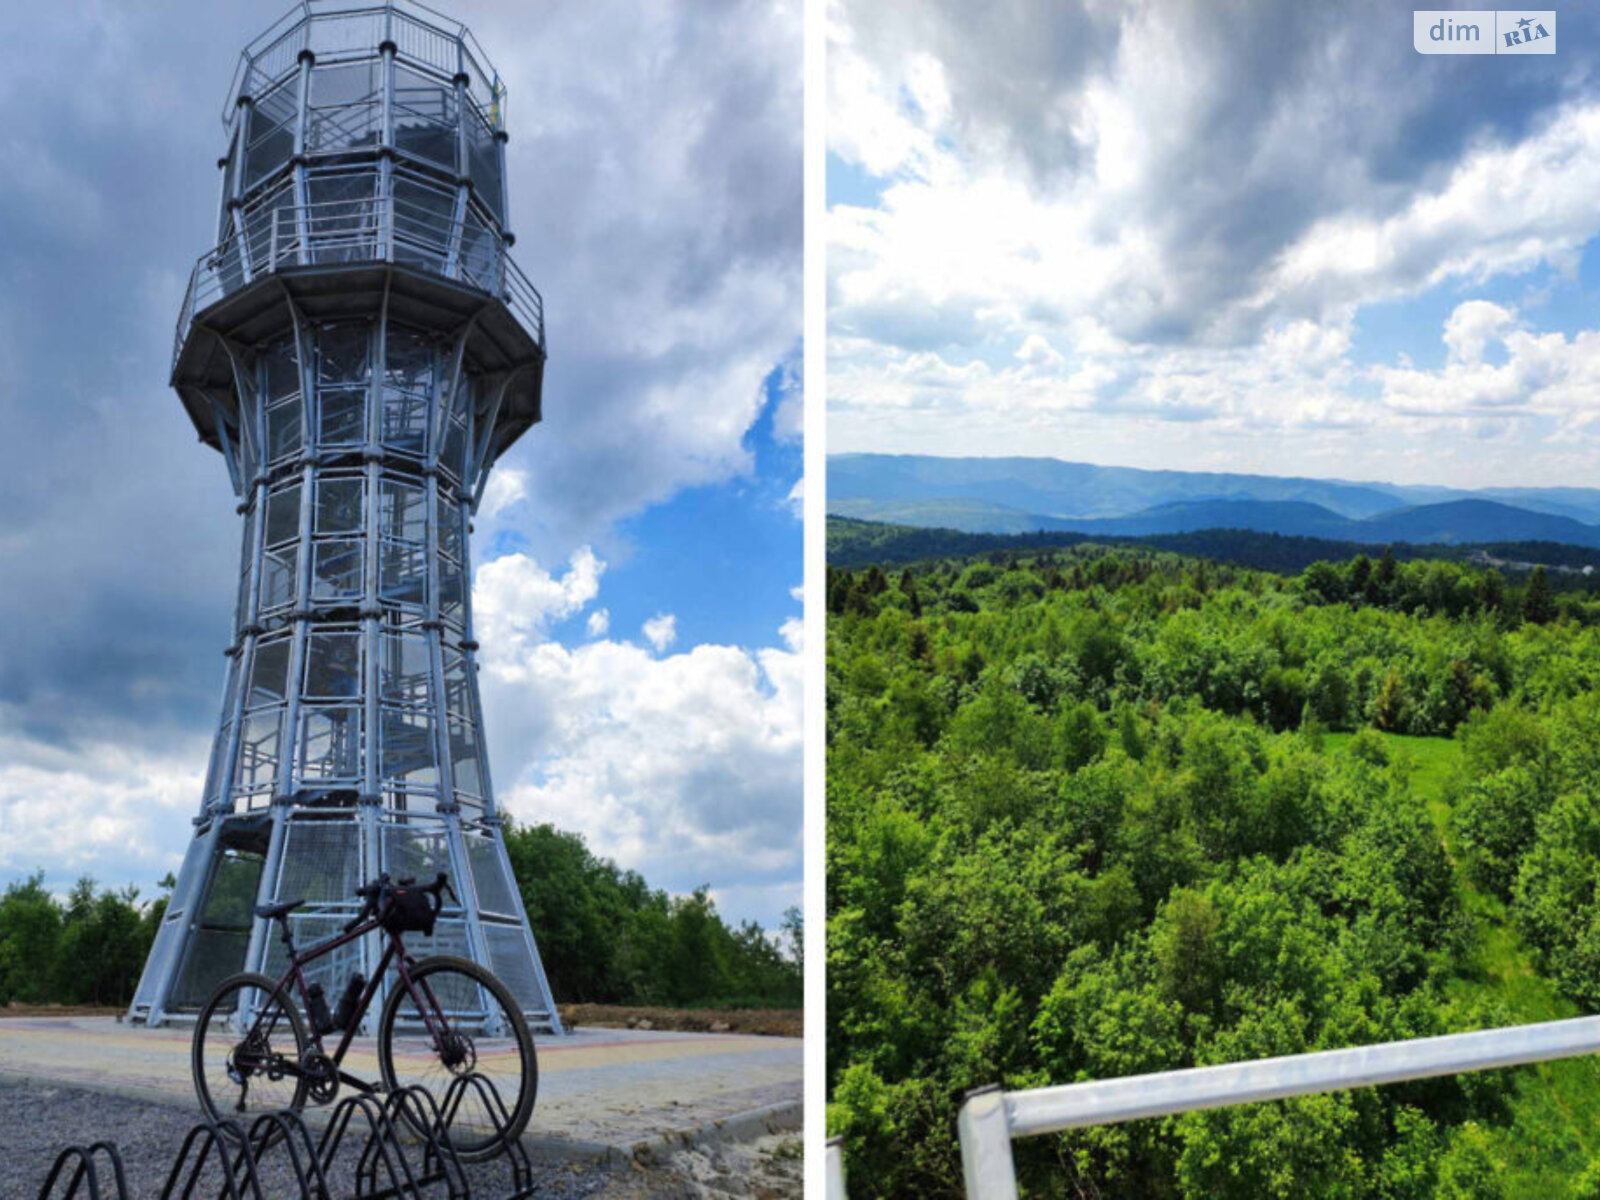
990	1118
86	1162
401	1142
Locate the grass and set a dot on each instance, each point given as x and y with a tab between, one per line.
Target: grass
1434	761
1552	1131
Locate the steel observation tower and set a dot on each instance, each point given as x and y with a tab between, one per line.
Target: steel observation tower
360	348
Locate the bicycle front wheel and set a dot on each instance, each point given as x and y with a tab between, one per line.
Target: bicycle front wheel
467	1025
249	1044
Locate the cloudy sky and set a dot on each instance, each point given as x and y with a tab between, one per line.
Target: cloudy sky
1270	237
637	553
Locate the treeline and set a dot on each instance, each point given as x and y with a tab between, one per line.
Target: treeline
88	950
1085	820
607	937
856	543
604	935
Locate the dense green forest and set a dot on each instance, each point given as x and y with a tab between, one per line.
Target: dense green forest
855	543
1097	812
604	934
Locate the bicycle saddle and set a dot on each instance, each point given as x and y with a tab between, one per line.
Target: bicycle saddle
273	911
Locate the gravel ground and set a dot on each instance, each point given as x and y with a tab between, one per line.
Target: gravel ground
36	1123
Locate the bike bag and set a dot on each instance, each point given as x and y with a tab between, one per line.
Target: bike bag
409	911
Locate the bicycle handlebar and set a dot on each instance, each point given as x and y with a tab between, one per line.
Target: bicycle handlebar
376	895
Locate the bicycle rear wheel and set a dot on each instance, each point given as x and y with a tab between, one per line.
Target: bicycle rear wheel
249	1043
484	1035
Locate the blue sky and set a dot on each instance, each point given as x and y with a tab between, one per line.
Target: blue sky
656	202
723	558
1273	238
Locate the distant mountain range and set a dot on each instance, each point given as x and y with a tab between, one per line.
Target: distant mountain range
1024	495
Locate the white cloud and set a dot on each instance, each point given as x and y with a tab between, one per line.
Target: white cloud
515	600
1472	326
793	632
110	809
685	767
1504	209
661	631
505	487
599	623
1545	375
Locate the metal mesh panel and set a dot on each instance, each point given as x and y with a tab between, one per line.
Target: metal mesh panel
491	876
339	505
483	162
269	672
408	754
510	960
258	749
321	862
333	665
448	937
270	132
283	515
230	901
283	429
419	851
425	116
330	743
405	421
221	928
214	954
403	573
344	107
336	570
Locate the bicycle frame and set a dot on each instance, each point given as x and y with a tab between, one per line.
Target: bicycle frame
394	952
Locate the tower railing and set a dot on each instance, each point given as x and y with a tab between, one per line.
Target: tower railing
351	232
422	38
991	1118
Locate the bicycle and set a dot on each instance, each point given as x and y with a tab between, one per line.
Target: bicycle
444	1017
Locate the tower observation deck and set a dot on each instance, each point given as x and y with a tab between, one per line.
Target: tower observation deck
360	348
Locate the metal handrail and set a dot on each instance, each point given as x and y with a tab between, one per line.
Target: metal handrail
346	232
833	1170
990	1118
292	32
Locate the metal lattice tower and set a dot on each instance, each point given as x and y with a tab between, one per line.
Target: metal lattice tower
360	348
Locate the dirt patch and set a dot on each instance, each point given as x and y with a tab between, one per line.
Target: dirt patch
58	1010
768	1022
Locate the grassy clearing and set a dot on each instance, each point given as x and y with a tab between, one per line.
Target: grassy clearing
1552	1131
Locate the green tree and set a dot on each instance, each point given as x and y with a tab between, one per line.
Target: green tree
1537	606
30	941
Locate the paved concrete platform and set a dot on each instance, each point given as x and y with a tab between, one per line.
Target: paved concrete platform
602	1092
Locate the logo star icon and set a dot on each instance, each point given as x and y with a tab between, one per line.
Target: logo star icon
1524	23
